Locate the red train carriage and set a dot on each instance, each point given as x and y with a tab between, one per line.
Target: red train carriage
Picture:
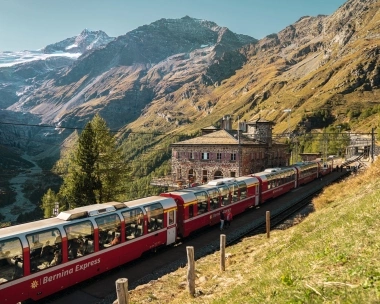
307	172
325	168
199	207
40	258
276	181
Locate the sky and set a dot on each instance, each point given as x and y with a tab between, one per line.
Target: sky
33	24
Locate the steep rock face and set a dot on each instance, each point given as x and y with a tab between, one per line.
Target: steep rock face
323	62
22	79
150	44
85	41
130	72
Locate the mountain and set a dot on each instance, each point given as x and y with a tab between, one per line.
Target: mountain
22	72
179	75
87	40
133	70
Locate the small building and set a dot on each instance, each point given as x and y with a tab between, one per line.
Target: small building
224	152
310	156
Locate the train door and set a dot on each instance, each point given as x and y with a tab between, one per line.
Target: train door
171	227
257	195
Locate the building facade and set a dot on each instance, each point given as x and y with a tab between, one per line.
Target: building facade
225	152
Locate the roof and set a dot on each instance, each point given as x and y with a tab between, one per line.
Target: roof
210	128
221	137
259	120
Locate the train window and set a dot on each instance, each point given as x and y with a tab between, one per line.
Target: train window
202	202
45	249
225	193
134	223
171	217
155	214
109	228
243	189
234	189
80	238
214	198
11	260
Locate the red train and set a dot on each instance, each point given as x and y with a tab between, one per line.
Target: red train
40	258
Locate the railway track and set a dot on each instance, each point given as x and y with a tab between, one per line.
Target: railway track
151	266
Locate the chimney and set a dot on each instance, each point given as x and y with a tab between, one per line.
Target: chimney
227	122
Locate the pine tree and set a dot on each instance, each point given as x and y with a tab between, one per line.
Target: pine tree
48	203
97	171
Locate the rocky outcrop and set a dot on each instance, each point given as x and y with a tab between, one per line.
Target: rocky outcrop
87	40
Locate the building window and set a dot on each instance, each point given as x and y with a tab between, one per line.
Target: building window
191	155
204	176
233	156
205	155
232	174
218	156
191	176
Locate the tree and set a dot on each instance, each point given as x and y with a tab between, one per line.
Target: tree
48	203
111	169
96	170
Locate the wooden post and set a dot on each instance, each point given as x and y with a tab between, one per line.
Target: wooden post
222	252
268	223
122	291
190	270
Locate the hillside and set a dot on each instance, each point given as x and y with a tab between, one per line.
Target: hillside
329	257
323	63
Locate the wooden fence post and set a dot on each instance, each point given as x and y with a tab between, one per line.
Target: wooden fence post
268	223
122	291
222	252
191	270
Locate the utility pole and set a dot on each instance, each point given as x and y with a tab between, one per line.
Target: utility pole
372	144
288	111
239	146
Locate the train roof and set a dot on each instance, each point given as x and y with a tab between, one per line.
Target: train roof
29	227
90	210
187	196
273	171
307	164
164	201
228	180
83	212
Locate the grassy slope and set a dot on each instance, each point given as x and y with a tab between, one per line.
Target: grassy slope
330	257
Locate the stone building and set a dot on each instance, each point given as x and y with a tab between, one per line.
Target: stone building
224	152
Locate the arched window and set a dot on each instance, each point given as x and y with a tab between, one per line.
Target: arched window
218	174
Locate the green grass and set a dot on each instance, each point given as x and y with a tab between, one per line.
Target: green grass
332	256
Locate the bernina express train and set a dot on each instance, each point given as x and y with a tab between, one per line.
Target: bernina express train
40	258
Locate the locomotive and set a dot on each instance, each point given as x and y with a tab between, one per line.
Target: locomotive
43	257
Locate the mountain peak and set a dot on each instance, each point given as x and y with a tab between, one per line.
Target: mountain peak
85	41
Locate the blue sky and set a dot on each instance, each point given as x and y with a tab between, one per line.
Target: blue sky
33	24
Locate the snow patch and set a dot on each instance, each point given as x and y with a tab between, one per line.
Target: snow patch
8	59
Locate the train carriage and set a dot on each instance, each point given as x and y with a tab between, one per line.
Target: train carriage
200	206
40	258
324	168
307	172
276	181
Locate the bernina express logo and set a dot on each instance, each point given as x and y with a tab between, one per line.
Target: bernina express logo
50	278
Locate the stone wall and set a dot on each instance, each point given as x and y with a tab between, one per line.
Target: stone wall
188	167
